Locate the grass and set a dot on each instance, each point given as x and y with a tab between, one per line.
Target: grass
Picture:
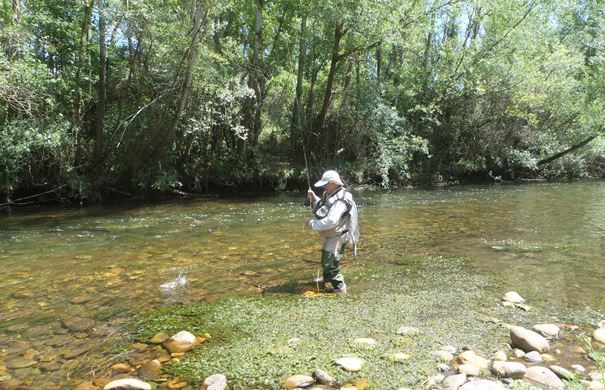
250	335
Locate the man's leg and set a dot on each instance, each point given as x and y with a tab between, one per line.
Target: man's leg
330	262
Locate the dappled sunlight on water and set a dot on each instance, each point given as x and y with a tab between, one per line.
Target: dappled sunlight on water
109	264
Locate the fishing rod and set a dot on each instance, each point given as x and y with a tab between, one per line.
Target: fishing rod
302	135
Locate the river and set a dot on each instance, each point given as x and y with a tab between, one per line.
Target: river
73	278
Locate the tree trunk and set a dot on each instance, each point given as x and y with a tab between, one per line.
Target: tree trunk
77	109
566	151
170	135
101	90
16	12
296	124
338	34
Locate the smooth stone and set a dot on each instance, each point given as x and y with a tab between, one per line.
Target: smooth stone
470	357
121	368
215	382
601	324
159	338
127	383
297	381
548	358
528	340
322	377
507	304
443	367
549	331
595	385
449	348
562	373
597	376
513	297
77	350
580	369
522	307
78	324
500	356
150	369
18	362
599	335
350	364
544	377
518	353
365	342
533	357
513	370
483	384
469	370
18	328
408	331
444	356
183	341
453	382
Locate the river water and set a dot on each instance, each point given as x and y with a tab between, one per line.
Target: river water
72	278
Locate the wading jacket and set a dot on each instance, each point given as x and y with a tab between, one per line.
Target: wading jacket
335	222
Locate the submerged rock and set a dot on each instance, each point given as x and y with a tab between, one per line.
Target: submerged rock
562	372
298	381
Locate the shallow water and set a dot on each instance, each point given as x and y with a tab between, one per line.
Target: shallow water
64	268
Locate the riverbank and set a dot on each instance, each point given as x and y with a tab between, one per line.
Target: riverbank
402	329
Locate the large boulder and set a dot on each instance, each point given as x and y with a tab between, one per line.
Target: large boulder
528	340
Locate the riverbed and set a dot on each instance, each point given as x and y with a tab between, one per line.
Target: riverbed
73	278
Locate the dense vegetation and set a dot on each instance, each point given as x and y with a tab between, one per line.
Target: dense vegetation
108	96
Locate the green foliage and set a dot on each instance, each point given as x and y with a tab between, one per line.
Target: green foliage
411	91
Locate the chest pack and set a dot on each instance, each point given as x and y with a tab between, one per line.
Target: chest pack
322	209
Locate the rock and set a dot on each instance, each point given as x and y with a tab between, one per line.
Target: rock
298	381
512	370
522	307
78	324
127	384
76	350
562	372
507	304
469	370
453	382
518	353
86	386
578	368
528	340
293	342
597	376
215	382
176	384
323	377
595	385
550	331
470	357
351	364
18	362
150	369
601	324
183	341
443	356
365	342
408	331
121	368
159	338
548	358
513	297
533	357
449	348
483	384
433	381
399	357
544	377
599	335
500	356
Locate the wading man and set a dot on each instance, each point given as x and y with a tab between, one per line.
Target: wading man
336	222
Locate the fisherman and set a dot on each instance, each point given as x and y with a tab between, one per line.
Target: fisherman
336	222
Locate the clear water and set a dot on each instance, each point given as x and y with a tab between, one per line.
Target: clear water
107	264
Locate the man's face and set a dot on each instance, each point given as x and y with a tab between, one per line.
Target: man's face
329	187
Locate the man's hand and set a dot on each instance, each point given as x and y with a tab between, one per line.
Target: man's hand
307	220
311	195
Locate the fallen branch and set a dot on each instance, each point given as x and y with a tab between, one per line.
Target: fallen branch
567	151
16	201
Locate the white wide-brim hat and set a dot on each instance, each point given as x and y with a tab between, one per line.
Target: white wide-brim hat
329	177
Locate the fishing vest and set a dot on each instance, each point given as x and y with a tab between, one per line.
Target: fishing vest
348	226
